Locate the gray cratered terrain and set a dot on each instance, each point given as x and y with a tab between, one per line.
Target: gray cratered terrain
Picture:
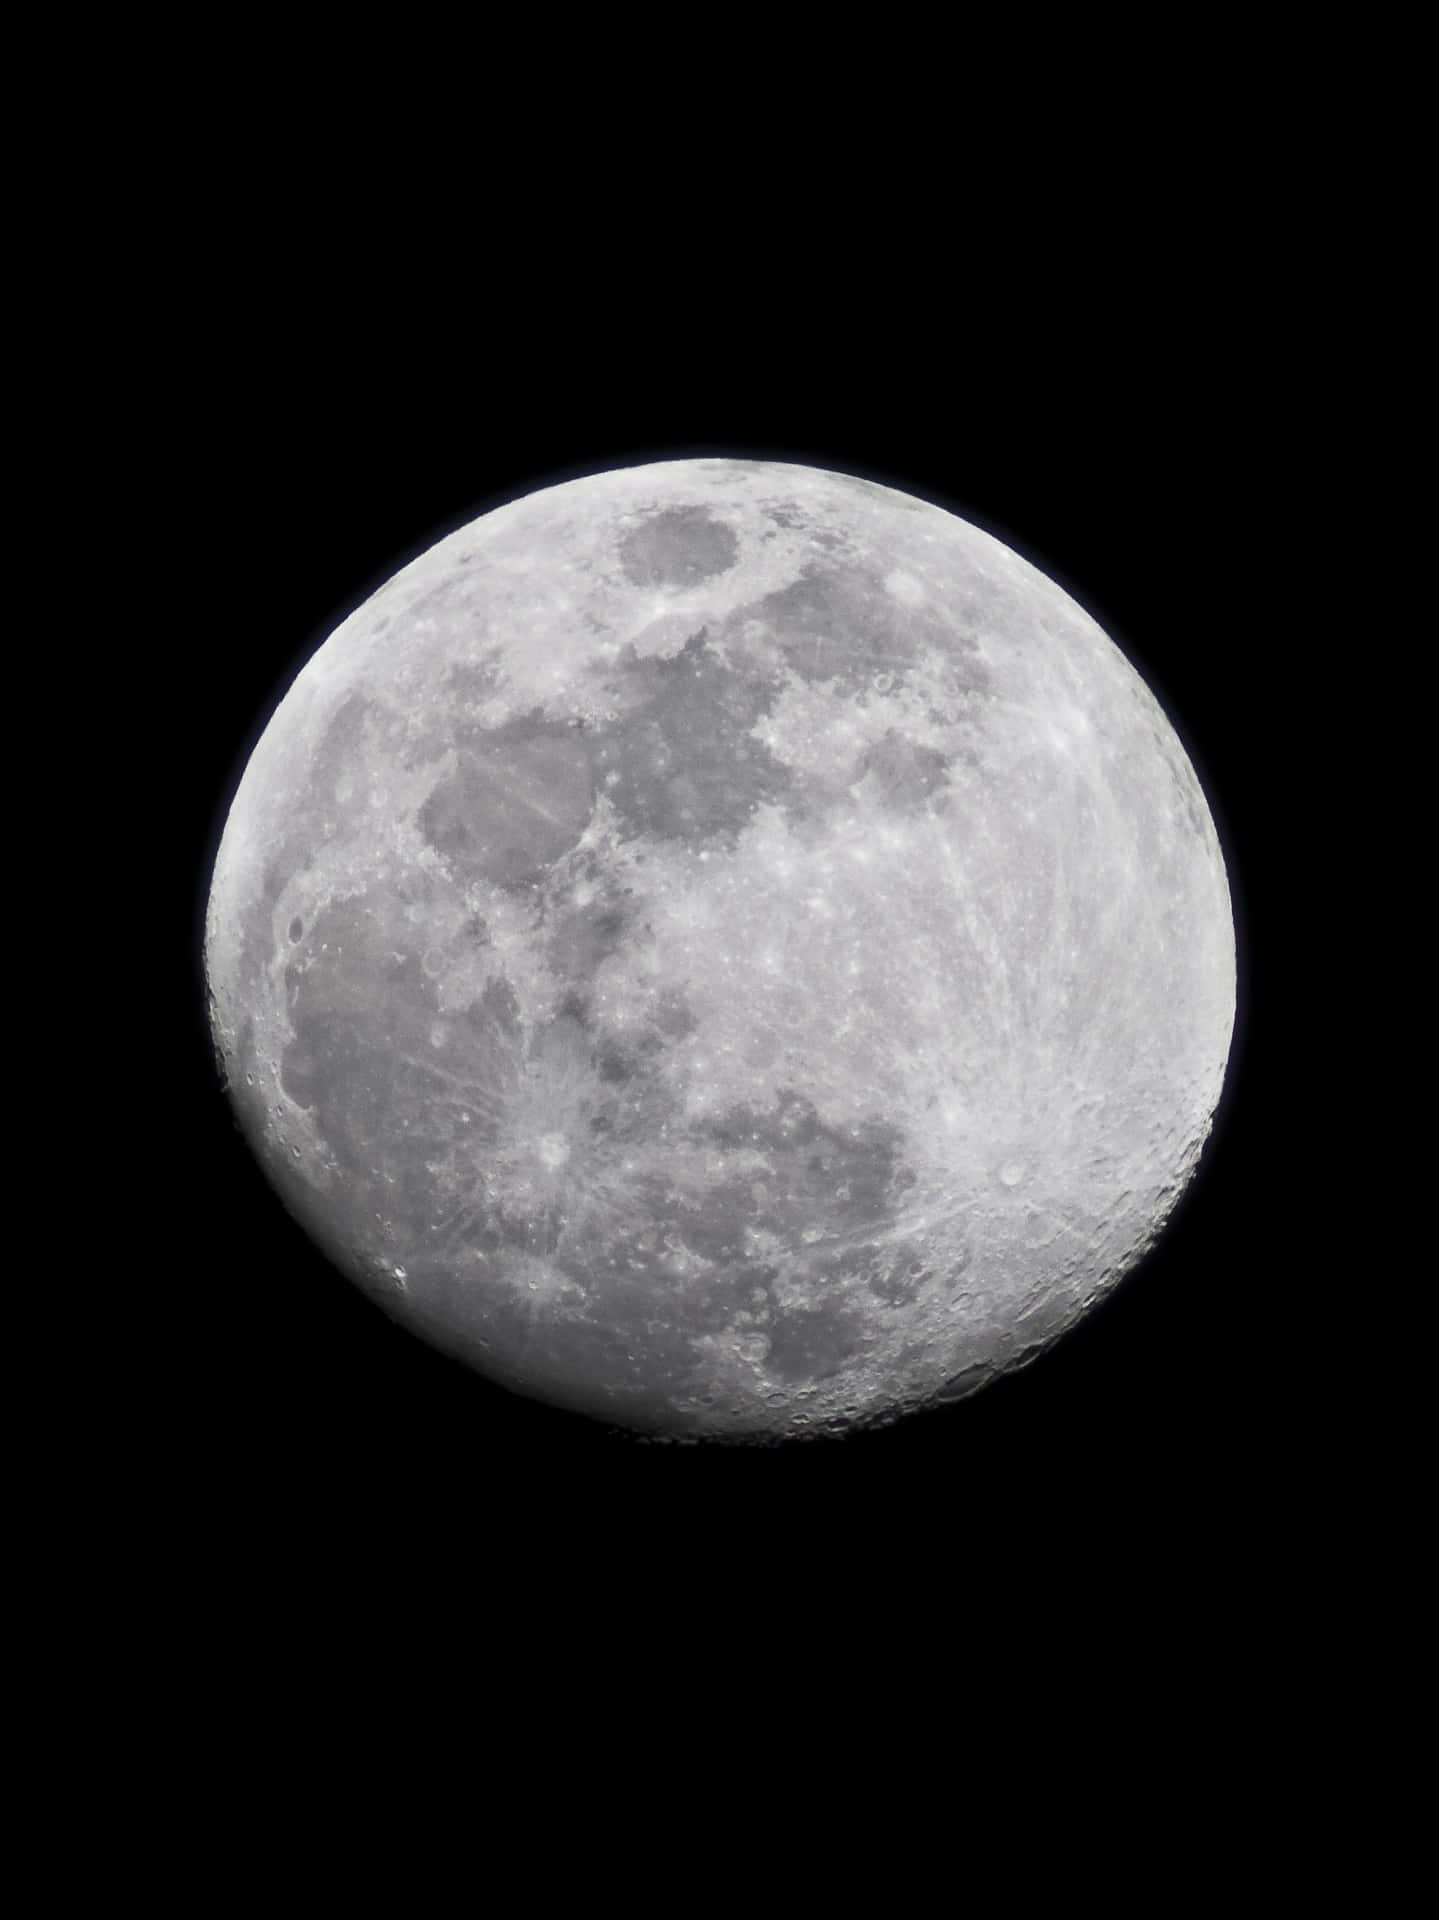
725	947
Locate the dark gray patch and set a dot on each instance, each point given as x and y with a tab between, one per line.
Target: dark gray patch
905	772
575	1005
518	798
679	547
360	1014
474	680
842	1181
560	1047
349	953
581	939
836	623
899	1281
672	1014
296	930
384	1101
422	1136
631	1278
618	1061
330	1066
681	763
616	1065
424	1133
717	1230
811	1343
496	1010
343	738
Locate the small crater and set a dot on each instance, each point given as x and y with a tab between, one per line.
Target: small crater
297	928
554	1150
904	588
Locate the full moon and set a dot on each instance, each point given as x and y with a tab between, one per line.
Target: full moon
726	948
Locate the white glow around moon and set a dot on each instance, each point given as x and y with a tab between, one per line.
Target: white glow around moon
725	947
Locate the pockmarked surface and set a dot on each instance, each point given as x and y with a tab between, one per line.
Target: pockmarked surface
725	947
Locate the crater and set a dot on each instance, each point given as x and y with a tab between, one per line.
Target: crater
679	547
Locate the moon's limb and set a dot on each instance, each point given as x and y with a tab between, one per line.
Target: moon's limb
726	947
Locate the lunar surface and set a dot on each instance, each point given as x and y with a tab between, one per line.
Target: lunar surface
724	947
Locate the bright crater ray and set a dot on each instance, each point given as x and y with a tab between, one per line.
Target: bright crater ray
724	947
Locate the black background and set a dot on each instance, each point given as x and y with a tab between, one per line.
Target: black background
1123	302
1113	431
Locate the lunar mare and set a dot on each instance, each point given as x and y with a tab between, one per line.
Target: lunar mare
724	947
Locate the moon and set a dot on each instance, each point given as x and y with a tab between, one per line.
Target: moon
724	947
